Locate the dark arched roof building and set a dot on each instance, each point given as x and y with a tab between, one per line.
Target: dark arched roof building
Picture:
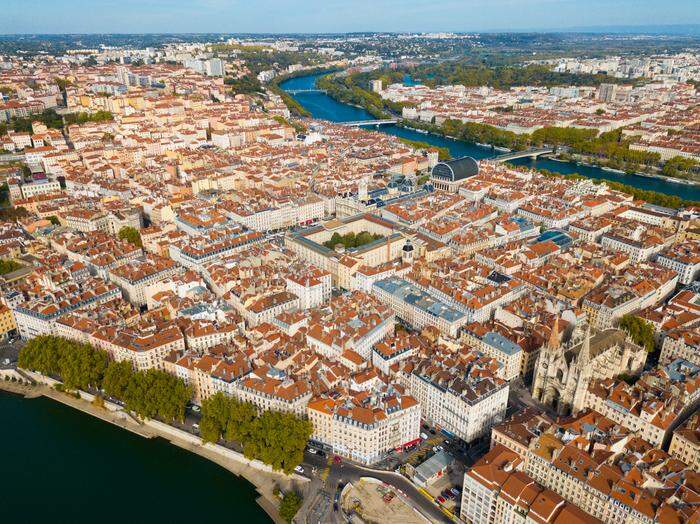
451	174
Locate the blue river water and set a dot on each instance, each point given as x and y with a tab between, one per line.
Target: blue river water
324	107
62	466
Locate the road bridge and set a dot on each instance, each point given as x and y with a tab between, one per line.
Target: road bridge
297	91
531	153
359	123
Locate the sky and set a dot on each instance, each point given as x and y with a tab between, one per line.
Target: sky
314	16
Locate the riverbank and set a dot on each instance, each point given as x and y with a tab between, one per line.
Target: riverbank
259	475
325	107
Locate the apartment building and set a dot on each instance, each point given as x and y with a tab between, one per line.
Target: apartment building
135	276
497	491
7	321
465	400
271	389
685	444
495	345
144	347
364	427
654	405
684	259
681	343
418	308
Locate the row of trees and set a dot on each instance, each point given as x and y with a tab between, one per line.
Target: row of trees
53	120
277	439
149	394
610	148
504	77
681	167
443	152
82	118
653	197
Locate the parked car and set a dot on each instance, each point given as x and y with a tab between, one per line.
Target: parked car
424	436
456	491
441	500
312	451
337	459
299	469
439	448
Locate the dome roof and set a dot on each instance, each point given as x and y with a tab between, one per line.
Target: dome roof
455	170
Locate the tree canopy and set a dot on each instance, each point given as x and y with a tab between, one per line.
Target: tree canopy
350	240
8	266
291	502
149	394
80	366
277	439
641	331
131	235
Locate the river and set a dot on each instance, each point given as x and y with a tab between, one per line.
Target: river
61	465
322	106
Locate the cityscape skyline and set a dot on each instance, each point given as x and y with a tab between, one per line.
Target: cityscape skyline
313	16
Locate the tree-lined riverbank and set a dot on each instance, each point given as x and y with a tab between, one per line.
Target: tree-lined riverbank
322	106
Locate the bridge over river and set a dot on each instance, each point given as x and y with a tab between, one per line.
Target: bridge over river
358	123
532	153
300	91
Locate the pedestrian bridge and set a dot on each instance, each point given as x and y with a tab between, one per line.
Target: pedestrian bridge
359	123
297	91
531	153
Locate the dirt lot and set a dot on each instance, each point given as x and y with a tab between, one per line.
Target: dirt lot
368	500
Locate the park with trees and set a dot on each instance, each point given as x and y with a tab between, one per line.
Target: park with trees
8	266
352	240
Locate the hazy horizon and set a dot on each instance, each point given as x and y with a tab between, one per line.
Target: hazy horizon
338	16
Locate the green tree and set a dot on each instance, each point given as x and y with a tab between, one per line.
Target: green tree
149	394
80	366
8	266
117	378
680	167
131	235
41	354
641	331
278	439
156	394
291	502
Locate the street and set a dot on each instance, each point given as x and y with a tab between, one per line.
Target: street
320	496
